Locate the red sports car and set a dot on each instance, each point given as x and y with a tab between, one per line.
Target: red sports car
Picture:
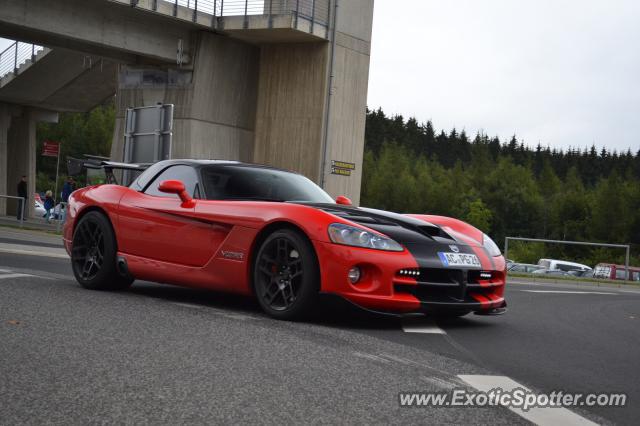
274	234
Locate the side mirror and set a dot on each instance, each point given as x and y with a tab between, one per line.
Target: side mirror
176	187
343	200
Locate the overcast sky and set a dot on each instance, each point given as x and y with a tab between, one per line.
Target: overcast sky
4	44
562	72
559	72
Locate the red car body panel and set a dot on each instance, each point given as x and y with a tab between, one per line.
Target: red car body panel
210	244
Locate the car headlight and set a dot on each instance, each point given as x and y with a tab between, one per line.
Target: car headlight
358	237
490	246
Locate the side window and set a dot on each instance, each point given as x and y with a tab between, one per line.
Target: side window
545	264
565	267
185	174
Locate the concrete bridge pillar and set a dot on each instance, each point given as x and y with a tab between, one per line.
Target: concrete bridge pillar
18	152
272	97
5	122
214	99
21	156
312	103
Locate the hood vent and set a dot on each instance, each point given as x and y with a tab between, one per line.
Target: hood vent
359	218
434	231
375	217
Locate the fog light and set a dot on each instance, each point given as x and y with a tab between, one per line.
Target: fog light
354	274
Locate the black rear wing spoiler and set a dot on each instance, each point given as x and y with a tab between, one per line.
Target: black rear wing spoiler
76	166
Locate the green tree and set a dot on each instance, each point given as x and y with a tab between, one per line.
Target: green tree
506	189
79	134
479	215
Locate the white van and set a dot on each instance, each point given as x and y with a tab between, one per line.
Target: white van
561	265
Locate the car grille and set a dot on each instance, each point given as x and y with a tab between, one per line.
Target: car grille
448	285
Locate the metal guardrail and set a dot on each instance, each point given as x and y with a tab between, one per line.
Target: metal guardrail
316	11
22	201
59	220
16	55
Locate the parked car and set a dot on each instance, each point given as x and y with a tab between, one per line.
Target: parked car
582	273
554	272
609	271
525	268
562	265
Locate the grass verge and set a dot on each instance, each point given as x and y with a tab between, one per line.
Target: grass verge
577	280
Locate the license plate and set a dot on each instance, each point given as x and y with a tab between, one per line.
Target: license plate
459	259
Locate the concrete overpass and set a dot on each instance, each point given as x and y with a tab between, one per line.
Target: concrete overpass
282	82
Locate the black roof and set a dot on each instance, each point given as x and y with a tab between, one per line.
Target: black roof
196	162
152	170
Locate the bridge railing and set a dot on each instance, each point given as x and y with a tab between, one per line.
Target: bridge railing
316	11
15	55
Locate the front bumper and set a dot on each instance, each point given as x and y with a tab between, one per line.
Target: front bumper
383	289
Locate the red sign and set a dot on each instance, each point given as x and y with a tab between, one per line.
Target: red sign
51	149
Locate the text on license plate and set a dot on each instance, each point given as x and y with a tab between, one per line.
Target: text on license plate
458	259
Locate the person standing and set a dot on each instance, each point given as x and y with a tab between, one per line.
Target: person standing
48	205
68	187
22	192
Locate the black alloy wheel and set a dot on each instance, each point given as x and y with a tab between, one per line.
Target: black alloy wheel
286	277
93	254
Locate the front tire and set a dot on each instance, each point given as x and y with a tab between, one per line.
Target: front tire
93	254
286	276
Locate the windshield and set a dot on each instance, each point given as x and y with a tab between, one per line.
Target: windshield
236	182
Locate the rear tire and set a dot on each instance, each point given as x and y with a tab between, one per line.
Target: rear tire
93	254
286	277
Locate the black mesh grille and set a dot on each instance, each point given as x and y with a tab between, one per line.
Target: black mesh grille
445	285
442	276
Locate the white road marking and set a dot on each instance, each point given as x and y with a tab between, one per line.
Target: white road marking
187	305
427	327
35	253
231	315
371	357
406	361
569	292
239	317
538	415
7	276
400	360
441	383
629	291
215	311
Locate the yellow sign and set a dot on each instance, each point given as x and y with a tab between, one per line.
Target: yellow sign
341	172
342	168
343	165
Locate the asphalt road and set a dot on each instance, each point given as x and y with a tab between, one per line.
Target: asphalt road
162	354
